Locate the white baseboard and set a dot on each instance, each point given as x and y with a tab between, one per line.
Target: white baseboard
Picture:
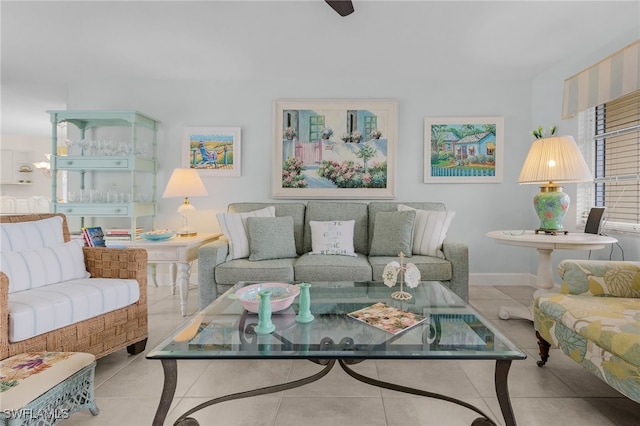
502	279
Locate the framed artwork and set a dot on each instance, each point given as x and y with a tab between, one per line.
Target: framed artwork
463	149
213	151
334	149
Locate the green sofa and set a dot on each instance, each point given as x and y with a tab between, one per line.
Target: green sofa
595	320
216	274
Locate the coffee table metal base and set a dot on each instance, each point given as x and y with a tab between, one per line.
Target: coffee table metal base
170	367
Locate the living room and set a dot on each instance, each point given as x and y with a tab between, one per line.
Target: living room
222	64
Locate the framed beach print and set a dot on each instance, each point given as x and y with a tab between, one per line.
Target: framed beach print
213	151
334	149
463	150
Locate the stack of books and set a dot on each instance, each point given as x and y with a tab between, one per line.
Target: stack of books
121	234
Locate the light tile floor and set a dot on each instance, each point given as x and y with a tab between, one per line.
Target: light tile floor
562	393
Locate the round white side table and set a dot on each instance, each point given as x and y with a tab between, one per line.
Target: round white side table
545	244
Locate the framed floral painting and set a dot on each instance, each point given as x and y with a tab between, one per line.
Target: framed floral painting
463	149
334	149
213	151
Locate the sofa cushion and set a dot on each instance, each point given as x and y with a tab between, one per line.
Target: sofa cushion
430	230
323	211
431	268
234	227
600	278
32	234
39	310
295	210
309	267
334	237
392	206
270	238
612	323
37	267
393	233
245	270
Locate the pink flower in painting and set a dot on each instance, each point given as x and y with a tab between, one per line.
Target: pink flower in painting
366	178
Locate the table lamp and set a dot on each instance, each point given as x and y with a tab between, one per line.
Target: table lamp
185	183
551	161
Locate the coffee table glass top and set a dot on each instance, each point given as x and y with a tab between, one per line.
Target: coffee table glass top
450	329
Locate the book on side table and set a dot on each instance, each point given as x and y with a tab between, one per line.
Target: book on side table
94	236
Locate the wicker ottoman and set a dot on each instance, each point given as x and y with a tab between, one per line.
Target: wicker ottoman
41	388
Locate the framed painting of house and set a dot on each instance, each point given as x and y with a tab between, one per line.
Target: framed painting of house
213	151
334	149
463	149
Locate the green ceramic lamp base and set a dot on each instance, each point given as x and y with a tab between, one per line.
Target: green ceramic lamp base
551	205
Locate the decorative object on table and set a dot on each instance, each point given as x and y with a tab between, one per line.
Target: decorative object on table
312	166
304	315
265	326
553	160
282	296
463	149
185	183
408	273
212	151
387	318
158	235
94	236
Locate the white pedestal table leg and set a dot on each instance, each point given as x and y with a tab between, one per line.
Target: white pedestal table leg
184	272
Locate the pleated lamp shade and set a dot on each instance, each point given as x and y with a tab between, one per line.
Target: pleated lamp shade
551	161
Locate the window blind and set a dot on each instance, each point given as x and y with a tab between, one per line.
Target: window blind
612	145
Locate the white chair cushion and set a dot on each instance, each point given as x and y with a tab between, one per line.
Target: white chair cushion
40	310
234	227
32	268
29	235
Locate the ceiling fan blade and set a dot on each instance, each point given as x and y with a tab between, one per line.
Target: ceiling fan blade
343	7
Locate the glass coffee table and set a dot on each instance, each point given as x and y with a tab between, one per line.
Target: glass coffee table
451	329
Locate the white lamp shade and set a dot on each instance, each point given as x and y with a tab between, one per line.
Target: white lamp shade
185	183
554	159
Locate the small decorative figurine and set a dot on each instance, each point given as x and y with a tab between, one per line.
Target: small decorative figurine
265	326
304	315
408	273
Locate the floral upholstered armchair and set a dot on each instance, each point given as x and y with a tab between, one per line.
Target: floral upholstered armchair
595	320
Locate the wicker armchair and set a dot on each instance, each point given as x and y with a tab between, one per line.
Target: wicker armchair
101	335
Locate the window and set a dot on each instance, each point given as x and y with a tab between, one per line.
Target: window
316	126
610	139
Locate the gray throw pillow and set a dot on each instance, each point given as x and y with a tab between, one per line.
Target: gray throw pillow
271	238
393	233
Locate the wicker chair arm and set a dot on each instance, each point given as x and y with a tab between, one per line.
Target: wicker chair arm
4	316
125	263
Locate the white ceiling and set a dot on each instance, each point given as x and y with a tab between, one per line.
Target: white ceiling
47	44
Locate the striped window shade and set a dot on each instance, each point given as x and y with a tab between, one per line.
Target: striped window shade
611	78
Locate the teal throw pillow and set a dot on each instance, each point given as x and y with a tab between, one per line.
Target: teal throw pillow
393	233
271	238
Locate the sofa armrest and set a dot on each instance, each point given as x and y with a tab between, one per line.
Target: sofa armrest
209	256
600	278
458	254
124	263
4	316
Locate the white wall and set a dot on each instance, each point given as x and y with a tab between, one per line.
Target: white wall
249	104
36	146
547	110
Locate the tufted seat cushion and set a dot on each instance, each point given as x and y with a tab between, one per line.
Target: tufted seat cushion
39	310
611	323
319	267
